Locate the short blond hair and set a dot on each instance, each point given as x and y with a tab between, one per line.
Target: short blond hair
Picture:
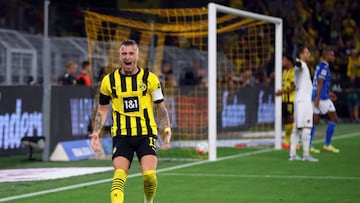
70	64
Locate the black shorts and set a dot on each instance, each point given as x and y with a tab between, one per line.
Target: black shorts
287	109
126	146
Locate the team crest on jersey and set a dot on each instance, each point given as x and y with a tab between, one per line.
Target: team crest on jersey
323	72
142	86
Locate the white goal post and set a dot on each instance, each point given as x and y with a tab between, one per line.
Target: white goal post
213	9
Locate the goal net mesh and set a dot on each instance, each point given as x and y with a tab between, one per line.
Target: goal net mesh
173	44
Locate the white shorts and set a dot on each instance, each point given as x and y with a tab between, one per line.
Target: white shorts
303	114
324	107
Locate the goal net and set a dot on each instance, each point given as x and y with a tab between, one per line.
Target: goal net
217	65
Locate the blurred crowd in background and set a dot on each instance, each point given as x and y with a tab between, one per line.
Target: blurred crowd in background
313	23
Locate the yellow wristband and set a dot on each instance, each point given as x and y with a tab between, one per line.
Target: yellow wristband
168	129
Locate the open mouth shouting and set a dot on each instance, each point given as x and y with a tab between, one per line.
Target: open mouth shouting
129	67
127	63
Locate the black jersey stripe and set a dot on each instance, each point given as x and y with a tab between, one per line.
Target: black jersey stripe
128	125
138	125
147	121
134	82
112	84
123	83
117	118
145	79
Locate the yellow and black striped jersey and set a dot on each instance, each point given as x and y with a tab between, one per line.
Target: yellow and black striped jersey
287	82
132	100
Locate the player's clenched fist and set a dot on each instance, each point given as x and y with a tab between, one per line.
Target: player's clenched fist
95	142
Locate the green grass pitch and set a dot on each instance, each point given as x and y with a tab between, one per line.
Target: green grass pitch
248	175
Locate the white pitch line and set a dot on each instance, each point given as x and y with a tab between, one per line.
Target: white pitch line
159	171
60	189
340	137
263	176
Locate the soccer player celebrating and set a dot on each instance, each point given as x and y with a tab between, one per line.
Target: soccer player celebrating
287	92
132	92
302	107
322	103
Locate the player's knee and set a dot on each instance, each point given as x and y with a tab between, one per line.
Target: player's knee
150	184
306	131
150	178
316	119
332	117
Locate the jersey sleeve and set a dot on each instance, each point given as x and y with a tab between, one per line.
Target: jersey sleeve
155	88
105	88
323	71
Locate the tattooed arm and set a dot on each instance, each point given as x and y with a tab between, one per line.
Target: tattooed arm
99	122
163	117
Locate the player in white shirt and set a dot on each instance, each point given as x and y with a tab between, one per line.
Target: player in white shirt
303	111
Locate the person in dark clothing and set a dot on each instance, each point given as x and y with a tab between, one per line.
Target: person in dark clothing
69	77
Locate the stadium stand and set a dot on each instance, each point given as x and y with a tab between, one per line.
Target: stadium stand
311	22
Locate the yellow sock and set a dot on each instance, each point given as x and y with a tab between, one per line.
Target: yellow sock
288	130
150	184
117	188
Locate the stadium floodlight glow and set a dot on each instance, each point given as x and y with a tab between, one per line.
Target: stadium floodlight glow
213	9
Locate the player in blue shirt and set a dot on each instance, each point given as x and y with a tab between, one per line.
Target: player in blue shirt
322	99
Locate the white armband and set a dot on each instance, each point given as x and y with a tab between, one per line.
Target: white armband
157	95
